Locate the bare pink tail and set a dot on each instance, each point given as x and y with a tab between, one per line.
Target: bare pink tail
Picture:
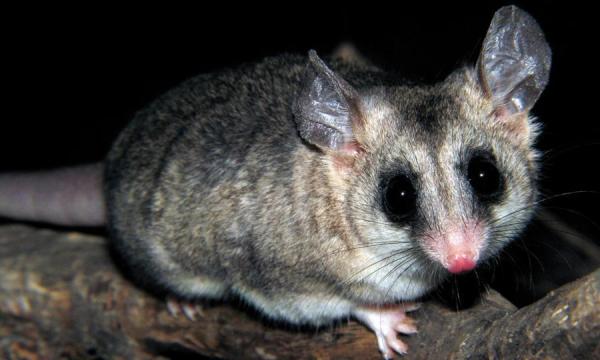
69	196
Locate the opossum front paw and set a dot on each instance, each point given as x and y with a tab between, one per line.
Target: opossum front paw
189	309
386	323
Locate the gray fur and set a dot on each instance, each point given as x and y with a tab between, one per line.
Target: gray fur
269	181
217	188
215	177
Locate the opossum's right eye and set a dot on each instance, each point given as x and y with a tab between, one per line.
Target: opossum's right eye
399	198
485	179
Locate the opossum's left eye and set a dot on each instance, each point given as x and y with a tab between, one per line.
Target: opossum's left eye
399	198
485	179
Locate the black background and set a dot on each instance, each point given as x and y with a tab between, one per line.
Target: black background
73	76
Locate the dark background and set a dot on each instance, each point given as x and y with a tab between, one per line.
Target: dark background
73	76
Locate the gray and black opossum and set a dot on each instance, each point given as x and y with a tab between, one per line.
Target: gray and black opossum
316	190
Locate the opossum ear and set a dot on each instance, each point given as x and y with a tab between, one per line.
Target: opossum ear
514	63
326	109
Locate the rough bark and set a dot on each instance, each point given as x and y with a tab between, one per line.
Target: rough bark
62	297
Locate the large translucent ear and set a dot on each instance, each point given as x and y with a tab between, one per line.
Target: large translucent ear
514	63
326	108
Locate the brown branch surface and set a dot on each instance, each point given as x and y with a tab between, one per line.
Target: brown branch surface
62	297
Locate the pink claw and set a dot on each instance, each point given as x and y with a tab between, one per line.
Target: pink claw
386	323
190	310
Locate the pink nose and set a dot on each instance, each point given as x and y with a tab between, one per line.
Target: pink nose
460	264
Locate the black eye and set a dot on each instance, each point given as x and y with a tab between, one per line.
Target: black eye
399	198
485	178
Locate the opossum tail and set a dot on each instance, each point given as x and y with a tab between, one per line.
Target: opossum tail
69	196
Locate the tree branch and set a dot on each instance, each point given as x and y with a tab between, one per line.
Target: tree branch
62	297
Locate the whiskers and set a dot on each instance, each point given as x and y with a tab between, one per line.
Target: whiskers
548	254
390	263
542	201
